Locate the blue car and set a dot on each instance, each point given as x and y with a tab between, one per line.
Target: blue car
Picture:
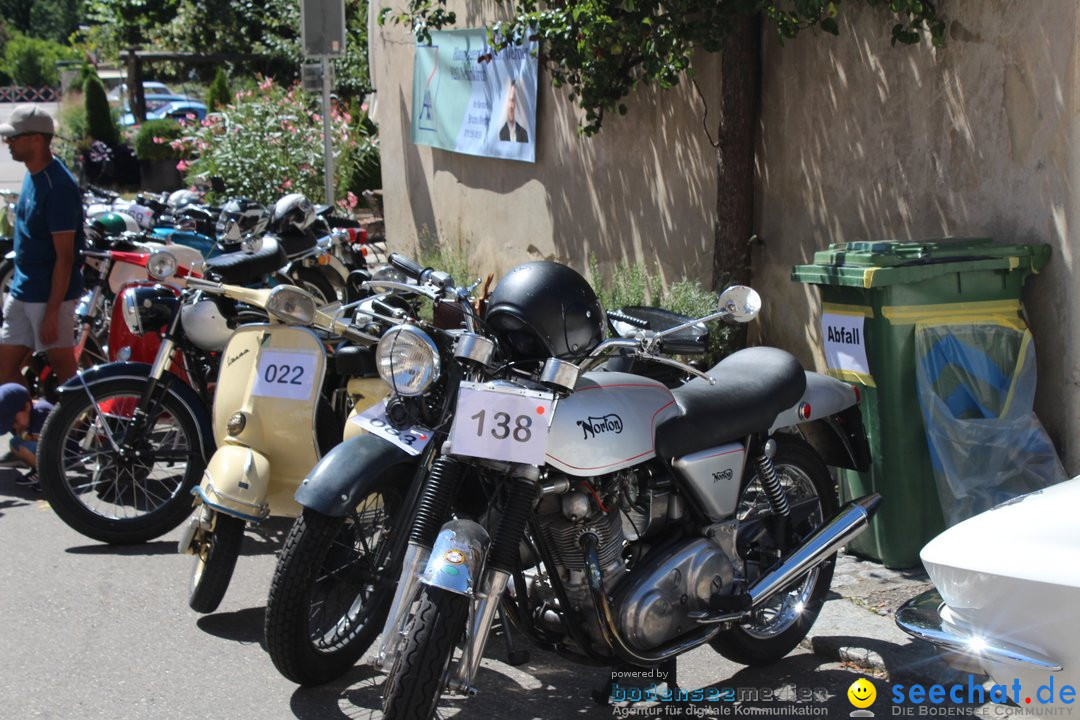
166	106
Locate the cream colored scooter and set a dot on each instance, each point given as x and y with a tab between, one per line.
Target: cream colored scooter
273	420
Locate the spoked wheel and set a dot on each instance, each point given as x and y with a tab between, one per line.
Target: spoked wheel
331	589
316	283
416	679
216	551
113	491
783	622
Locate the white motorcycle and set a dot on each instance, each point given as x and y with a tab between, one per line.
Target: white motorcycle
1007	589
620	521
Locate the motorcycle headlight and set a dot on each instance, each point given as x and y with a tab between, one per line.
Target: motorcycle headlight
291	305
408	360
131	312
161	265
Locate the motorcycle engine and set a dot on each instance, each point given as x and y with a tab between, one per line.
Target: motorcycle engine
656	584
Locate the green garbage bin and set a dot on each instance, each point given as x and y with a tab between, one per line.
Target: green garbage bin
873	294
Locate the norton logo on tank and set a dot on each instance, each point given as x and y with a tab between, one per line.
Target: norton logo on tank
593	426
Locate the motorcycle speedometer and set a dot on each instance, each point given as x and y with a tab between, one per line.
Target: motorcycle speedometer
408	360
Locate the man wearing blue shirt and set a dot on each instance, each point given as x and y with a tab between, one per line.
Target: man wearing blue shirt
40	310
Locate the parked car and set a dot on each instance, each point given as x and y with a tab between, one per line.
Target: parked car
150	87
158	106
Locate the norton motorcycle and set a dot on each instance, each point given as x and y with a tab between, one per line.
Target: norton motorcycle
623	522
274	418
127	441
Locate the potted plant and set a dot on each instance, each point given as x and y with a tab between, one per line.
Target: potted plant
156	146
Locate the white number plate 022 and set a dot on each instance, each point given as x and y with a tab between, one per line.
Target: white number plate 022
412	440
502	423
284	374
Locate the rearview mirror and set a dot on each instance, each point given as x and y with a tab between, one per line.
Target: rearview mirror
740	303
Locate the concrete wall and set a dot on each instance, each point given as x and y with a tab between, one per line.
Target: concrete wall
644	189
859	140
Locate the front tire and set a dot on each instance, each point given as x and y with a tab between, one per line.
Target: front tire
215	559
108	497
328	600
416	679
779	627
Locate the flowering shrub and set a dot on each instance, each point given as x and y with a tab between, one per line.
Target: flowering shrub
268	142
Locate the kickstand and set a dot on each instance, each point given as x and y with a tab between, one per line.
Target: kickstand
514	657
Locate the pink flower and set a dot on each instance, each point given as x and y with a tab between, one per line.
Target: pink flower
158	140
182	166
286	185
240	95
316	117
266	84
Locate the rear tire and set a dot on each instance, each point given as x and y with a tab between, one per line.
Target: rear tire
786	620
215	559
416	679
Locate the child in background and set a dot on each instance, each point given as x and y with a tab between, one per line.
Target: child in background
24	420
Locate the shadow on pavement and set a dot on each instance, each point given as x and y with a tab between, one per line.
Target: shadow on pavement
242	626
158	547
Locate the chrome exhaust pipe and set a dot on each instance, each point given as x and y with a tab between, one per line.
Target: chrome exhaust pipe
851	520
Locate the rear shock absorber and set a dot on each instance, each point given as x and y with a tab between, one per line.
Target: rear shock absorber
770	483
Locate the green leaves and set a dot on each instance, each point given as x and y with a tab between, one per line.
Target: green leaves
604	49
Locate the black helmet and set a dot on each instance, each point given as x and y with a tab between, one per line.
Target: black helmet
292	213
239	218
543	309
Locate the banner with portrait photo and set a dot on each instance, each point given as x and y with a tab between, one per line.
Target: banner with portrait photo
469	99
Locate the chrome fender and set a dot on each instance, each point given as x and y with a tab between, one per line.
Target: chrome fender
457	557
235	482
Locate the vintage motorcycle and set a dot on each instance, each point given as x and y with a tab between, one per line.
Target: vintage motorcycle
274	418
336	572
1005	596
127	441
636	521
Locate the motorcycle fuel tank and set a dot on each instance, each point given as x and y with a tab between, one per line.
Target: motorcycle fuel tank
608	423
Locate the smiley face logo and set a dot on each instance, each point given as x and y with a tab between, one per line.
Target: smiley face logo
861	693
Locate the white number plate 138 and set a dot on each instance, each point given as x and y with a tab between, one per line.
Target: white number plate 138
284	374
502	423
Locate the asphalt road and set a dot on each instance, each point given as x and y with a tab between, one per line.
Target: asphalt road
92	631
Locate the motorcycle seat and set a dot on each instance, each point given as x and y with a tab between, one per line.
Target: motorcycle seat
752	387
244	268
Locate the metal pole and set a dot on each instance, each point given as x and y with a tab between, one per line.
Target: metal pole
328	155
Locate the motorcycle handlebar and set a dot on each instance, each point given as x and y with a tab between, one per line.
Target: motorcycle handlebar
619	316
408	266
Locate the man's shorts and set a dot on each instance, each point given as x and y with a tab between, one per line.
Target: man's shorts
22	324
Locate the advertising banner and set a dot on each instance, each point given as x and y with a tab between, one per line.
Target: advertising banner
468	99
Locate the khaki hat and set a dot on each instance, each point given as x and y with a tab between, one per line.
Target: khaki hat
28	119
